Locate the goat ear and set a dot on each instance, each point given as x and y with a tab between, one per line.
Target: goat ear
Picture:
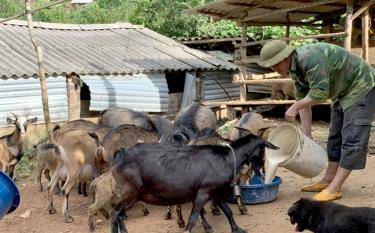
181	137
32	120
11	121
95	137
269	145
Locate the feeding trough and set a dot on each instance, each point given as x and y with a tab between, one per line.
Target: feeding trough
258	192
9	195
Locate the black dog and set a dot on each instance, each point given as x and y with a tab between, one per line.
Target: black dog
329	217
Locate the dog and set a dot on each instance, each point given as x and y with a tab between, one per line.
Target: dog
329	217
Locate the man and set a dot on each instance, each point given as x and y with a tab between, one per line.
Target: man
324	71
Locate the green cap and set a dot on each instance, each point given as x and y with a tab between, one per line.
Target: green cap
274	52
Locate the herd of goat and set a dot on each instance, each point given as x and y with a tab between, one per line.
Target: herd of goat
131	157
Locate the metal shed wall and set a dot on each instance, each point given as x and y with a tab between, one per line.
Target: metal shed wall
214	92
22	96
140	92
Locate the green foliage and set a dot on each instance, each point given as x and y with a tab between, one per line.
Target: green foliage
164	16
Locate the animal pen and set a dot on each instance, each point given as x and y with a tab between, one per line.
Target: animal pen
325	15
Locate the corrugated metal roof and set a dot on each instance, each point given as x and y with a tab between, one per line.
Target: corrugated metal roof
271	11
97	50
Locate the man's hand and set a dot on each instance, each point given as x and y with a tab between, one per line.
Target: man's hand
291	113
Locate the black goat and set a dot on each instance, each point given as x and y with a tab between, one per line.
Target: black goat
167	175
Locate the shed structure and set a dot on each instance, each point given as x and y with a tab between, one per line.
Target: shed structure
94	67
334	18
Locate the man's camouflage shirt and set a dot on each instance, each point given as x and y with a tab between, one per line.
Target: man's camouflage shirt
326	71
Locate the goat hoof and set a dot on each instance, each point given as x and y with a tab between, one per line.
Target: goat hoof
181	223
168	215
69	219
146	212
208	230
243	211
239	230
51	210
92	227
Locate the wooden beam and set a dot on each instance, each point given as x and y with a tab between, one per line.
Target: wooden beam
362	9
214	40
287	29
256	23
284	10
336	34
264	81
365	35
348	25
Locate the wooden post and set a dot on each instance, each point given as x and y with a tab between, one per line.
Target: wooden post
42	75
365	34
348	25
199	95
287	32
327	28
243	88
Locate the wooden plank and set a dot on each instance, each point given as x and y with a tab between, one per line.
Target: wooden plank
243	88
257	23
254	102
261	81
336	34
348	25
214	40
365	35
284	10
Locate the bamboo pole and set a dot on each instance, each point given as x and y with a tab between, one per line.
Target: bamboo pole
243	88
348	25
365	35
336	34
42	75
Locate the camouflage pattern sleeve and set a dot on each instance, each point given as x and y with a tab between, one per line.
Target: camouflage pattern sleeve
316	75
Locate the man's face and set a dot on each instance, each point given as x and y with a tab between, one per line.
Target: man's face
282	67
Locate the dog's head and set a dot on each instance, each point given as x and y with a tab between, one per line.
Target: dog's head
300	213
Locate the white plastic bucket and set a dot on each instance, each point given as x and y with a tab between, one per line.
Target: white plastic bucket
297	153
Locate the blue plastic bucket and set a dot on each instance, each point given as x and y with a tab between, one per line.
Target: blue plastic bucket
257	192
9	195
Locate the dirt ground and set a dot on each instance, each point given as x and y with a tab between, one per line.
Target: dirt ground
270	217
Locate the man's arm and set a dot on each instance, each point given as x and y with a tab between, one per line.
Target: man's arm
303	107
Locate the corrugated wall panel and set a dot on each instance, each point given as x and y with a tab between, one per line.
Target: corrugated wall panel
22	96
140	92
214	92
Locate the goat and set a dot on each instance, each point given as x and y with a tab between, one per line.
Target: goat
162	174
189	122
77	154
11	144
120	116
107	194
106	191
161	124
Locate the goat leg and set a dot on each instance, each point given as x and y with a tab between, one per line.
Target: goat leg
198	205
228	213
215	211
65	209
39	171
180	218
206	226
241	206
168	215
144	209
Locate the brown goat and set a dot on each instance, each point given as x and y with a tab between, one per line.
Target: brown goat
106	190
77	154
11	144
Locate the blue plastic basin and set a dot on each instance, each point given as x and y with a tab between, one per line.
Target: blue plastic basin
9	195
258	193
